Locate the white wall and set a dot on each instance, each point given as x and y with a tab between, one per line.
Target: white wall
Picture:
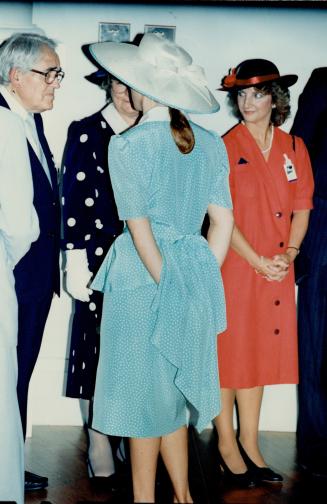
218	38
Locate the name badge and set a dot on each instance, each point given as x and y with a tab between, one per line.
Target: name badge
289	169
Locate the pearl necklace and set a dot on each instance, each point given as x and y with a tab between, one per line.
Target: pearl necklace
270	143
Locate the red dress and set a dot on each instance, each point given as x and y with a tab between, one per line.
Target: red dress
259	346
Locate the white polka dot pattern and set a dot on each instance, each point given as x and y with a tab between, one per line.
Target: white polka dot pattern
87	149
152	178
99	251
71	222
80	176
89	202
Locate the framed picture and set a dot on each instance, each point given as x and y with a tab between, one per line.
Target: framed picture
165	31
114	32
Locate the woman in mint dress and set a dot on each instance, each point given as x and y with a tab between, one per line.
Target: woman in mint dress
163	296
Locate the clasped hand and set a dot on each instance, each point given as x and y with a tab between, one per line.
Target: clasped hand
78	274
275	268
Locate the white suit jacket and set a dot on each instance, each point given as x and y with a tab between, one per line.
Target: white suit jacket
19	227
18	220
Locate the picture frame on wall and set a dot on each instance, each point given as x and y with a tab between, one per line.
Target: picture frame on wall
114	32
163	30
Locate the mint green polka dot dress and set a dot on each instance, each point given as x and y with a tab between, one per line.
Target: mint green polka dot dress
157	367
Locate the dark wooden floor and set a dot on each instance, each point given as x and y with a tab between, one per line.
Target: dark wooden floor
59	453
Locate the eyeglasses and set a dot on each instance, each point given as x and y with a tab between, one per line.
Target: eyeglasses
51	75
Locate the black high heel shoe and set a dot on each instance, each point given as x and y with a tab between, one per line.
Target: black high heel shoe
242	480
262	474
102	482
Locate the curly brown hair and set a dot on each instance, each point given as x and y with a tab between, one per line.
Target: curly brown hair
280	97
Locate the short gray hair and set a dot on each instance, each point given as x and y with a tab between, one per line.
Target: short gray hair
22	50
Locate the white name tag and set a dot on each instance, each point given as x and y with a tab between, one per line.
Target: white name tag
289	168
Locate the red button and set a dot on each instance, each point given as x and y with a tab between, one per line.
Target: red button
277	302
278	214
281	244
276	331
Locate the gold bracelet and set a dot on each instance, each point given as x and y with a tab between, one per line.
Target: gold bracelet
261	262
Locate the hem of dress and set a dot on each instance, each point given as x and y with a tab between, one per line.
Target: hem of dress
260	384
87	397
130	434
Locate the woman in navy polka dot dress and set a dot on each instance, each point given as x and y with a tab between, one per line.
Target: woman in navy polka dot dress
90	225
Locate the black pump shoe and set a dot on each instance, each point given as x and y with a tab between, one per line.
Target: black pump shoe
35	482
262	474
242	480
102	482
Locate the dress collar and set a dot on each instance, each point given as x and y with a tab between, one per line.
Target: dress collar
114	119
158	113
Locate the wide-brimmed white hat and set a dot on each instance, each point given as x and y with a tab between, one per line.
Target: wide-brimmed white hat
159	69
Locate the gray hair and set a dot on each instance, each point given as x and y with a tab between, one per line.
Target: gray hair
106	85
22	50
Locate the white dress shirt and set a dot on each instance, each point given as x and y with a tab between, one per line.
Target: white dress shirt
30	128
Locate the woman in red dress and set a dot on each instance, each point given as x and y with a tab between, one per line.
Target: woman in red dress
271	186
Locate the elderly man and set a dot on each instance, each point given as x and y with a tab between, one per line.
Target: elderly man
29	75
18	228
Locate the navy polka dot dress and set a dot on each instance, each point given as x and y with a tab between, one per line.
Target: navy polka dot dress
90	221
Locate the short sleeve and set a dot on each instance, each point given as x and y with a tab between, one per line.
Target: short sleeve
129	176
304	188
220	191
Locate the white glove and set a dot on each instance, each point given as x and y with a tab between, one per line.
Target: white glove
77	274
